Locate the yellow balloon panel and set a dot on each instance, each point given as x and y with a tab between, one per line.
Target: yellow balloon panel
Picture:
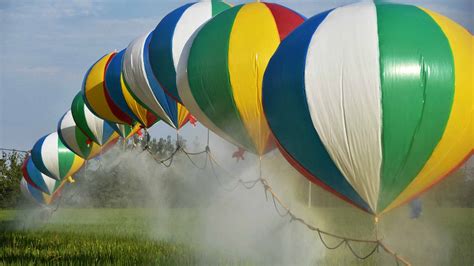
147	119
253	41
95	93
183	115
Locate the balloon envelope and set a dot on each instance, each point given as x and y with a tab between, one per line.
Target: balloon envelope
74	139
96	95
170	36
54	159
126	131
385	114
145	89
96	128
117	89
36	195
39	180
221	70
144	116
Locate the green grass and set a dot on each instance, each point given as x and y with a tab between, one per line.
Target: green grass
93	236
47	246
442	236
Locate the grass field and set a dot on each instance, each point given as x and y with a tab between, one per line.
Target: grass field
86	236
122	236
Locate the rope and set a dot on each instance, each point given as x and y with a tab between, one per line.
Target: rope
320	232
250	184
164	161
281	214
169	161
192	161
277	202
326	245
359	256
228	189
213	159
278	205
194	153
205	151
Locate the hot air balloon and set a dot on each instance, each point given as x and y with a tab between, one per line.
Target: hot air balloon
96	95
74	139
39	180
145	116
97	129
221	70
170	36
373	101
126	131
36	195
119	94
54	159
143	86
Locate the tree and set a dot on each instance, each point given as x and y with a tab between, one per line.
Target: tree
10	176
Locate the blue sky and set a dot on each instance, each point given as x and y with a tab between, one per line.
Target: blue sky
47	46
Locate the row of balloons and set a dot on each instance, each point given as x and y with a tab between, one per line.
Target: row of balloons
371	101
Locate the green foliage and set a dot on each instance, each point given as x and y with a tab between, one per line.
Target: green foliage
93	237
126	237
40	247
10	176
161	148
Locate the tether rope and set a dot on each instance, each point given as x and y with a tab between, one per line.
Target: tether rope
277	202
194	163
279	205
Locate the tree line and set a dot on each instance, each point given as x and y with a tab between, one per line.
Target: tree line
117	188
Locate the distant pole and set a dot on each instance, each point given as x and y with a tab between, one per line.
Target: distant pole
309	194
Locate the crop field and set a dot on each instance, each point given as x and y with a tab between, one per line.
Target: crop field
104	236
122	236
